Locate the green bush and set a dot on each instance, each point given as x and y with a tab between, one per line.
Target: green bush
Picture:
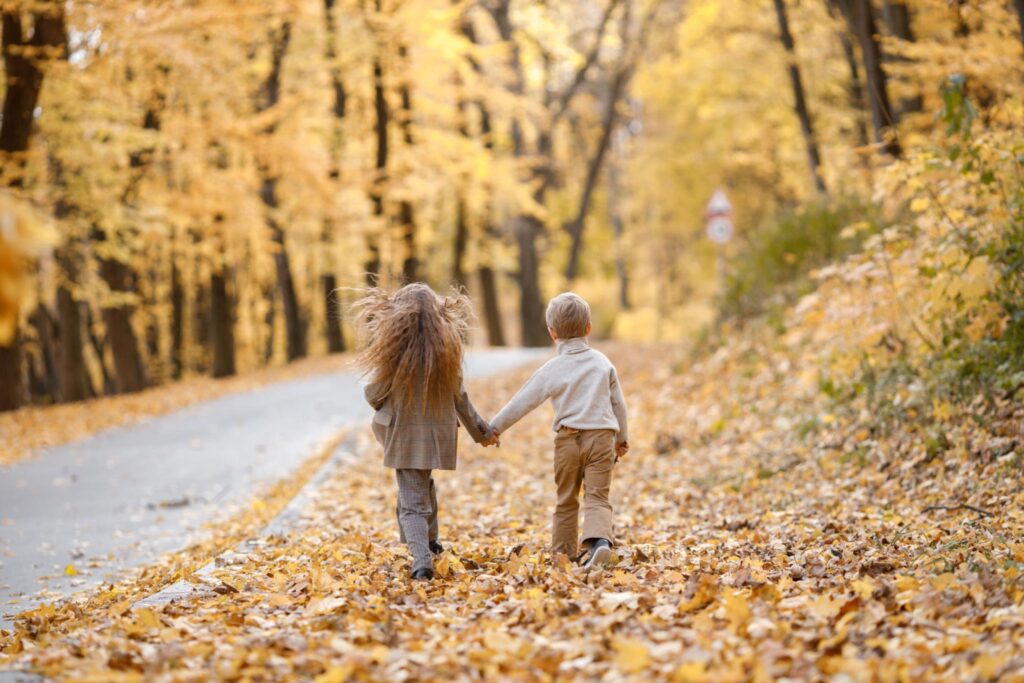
772	269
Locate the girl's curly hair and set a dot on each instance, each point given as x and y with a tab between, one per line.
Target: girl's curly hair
412	340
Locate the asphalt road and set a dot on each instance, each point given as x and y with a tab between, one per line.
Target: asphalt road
124	497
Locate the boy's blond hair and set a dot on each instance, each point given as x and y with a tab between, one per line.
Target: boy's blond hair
568	315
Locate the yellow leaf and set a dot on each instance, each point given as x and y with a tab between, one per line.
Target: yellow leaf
147	618
942	410
336	674
906	583
736	609
864	588
631	655
691	672
825	607
919	204
70	570
988	666
943	581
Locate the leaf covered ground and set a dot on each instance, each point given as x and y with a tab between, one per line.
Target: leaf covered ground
763	533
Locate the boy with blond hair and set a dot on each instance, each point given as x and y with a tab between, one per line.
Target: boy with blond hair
590	427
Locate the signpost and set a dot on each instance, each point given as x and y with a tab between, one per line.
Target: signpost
718	217
718	223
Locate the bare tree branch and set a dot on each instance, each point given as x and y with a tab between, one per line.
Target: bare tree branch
581	74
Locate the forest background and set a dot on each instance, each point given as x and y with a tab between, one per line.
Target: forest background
192	188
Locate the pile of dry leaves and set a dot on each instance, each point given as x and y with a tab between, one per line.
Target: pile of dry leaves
760	536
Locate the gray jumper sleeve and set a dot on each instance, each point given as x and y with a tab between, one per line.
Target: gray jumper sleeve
619	408
531	395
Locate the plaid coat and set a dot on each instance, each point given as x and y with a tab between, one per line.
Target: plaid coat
412	440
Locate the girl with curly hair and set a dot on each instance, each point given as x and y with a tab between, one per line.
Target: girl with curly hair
412	347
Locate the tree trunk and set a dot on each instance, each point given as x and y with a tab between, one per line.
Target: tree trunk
197	341
526	227
485	271
800	99
124	347
99	349
177	320
71	371
492	313
406	213
270	95
860	17
269	321
897	18
461	240
608	123
618	230
23	73
294	332
46	331
332	313
328	282
74	381
531	307
1019	5
381	117
856	89
12	385
380	106
222	332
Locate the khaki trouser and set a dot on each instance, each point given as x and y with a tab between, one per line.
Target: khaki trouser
582	457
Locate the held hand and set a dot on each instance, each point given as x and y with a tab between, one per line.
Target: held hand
621	449
492	440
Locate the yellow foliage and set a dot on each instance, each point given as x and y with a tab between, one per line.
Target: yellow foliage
23	236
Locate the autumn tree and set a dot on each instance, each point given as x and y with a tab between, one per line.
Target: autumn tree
31	38
860	15
800	98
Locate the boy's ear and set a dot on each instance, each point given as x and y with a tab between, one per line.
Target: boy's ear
590	326
552	334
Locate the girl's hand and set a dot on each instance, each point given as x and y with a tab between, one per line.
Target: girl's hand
492	440
621	449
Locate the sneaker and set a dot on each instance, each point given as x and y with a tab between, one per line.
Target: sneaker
600	554
436	547
424	574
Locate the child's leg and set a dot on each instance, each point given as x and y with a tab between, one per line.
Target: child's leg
568	477
598	461
432	530
414	514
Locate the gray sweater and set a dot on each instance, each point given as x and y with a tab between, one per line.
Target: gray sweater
583	387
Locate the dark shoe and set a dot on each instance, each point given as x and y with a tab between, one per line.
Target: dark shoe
424	574
600	554
436	547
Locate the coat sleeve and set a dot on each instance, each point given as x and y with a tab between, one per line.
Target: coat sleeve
529	396
375	396
619	408
475	425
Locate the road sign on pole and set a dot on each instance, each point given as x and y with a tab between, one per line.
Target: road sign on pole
718	218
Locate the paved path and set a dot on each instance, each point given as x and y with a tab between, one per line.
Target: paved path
126	496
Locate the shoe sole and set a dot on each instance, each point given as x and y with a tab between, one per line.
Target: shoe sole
602	557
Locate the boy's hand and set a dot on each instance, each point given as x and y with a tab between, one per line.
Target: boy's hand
621	449
492	440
